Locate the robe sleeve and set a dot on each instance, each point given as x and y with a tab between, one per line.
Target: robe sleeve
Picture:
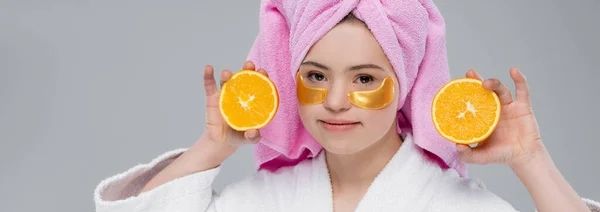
189	193
458	194
592	205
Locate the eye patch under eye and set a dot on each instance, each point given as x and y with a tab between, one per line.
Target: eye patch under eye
307	95
373	99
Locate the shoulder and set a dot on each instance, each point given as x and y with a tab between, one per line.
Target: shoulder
273	189
455	193
284	177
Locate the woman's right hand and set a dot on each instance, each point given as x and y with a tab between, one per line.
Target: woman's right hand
217	129
217	143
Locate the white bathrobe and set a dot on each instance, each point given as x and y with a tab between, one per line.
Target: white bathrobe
409	182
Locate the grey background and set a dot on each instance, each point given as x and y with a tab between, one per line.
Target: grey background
91	88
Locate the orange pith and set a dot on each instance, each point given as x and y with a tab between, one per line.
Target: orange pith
249	100
463	111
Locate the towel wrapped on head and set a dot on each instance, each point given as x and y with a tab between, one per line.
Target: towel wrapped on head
411	34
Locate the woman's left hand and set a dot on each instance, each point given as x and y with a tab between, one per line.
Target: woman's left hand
516	138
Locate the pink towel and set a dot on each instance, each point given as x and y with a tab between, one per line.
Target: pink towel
412	35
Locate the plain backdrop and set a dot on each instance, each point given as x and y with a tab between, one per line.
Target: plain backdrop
89	89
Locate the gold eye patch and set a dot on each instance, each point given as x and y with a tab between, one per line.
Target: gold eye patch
373	99
307	95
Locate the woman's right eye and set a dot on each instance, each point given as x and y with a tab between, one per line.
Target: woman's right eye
317	77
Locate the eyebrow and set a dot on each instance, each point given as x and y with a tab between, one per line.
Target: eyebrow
315	64
353	68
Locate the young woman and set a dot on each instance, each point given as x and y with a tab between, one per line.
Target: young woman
378	154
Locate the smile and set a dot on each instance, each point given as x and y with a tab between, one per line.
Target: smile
338	125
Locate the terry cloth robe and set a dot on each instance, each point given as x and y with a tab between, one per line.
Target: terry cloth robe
409	182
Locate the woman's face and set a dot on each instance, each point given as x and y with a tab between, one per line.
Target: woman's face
347	58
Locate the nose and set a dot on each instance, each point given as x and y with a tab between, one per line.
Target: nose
337	100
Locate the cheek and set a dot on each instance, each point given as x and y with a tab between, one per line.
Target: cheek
306	114
302	112
381	119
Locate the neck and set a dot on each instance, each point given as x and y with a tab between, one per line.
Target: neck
360	169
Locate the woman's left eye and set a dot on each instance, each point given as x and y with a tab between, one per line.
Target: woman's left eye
365	79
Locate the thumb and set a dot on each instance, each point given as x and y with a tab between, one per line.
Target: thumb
252	136
467	154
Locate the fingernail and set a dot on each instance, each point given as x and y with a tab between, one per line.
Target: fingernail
252	134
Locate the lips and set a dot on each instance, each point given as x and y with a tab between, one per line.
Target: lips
334	125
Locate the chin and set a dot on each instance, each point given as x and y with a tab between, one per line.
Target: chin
341	146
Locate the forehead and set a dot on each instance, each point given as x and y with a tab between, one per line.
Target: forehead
346	45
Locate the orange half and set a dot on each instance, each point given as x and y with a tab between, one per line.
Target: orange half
464	112
249	100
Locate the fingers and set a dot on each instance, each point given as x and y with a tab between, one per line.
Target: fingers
500	89
262	71
252	136
210	85
466	154
473	74
225	76
522	89
248	65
